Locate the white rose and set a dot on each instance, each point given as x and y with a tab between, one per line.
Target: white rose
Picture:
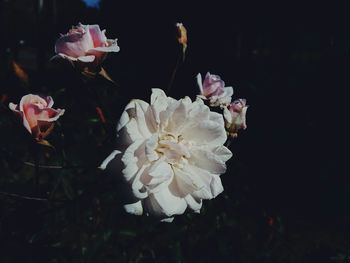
172	154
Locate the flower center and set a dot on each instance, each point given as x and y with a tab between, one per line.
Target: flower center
174	148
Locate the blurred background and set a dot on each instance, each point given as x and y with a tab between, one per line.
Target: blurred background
286	195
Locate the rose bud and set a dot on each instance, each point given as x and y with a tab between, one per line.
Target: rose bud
37	114
235	117
182	36
213	89
86	44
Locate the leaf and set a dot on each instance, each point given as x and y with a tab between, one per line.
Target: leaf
105	75
45	143
20	73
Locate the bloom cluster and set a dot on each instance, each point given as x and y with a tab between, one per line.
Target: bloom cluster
213	90
171	152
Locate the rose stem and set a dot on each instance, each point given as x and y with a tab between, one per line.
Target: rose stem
180	58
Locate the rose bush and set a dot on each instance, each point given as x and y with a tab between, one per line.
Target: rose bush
37	114
85	43
172	154
213	89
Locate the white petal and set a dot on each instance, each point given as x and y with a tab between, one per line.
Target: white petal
131	132
159	103
13	107
124	119
199	82
206	133
216	117
216	186
204	158
193	204
228	91
165	203
167	220
178	118
227	115
158	94
106	49
86	59
151	146
204	192
159	176
135	208
141	118
187	182
67	57
137	186
108	159
130	160
223	152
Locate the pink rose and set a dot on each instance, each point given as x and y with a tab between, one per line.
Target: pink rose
85	43
213	89
235	117
37	114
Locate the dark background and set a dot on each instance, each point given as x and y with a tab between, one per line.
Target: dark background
286	195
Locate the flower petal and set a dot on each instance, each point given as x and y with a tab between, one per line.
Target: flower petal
108	159
204	158
86	59
194	204
98	37
130	159
206	133
165	203
134	208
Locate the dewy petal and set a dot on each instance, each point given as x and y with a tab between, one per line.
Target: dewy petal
134	208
